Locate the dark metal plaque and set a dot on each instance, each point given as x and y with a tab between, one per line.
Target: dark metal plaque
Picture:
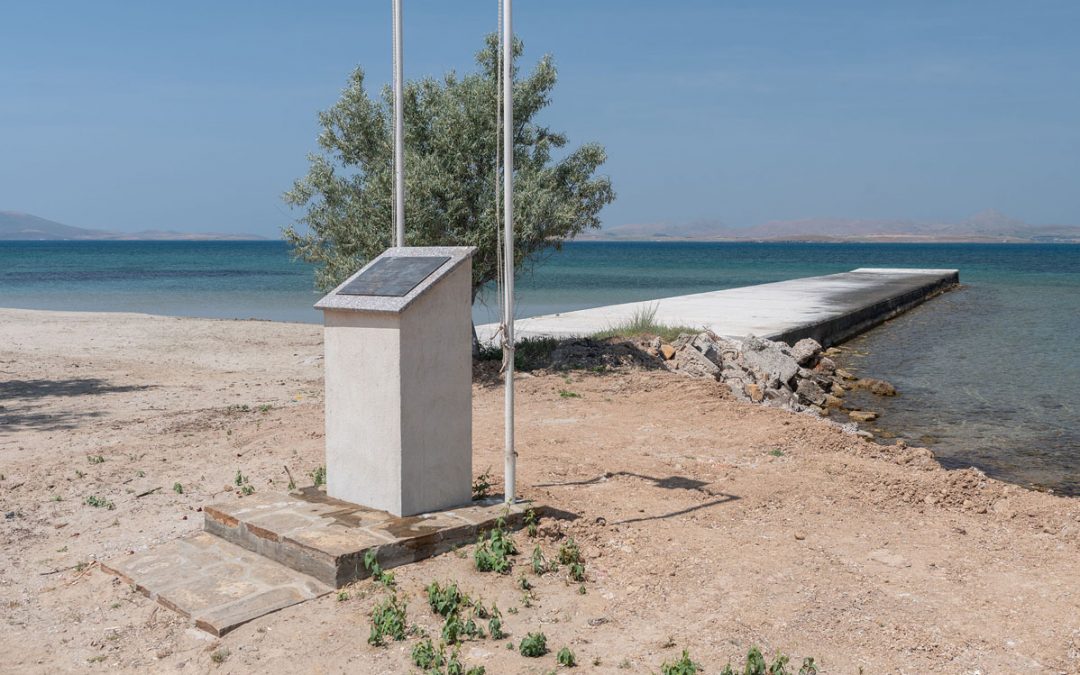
394	277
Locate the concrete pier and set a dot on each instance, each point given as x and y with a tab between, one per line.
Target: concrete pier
829	308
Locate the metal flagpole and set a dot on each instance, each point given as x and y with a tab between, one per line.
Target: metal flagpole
399	132
510	477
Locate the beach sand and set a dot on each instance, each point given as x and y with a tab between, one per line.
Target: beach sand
706	523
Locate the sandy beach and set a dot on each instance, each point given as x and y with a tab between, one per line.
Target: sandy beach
706	523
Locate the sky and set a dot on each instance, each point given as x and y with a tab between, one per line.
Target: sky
196	116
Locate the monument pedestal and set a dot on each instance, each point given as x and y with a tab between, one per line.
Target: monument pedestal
398	371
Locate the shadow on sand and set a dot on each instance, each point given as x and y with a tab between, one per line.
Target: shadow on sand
669	483
21	400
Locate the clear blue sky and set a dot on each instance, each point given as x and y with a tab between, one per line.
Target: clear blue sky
197	115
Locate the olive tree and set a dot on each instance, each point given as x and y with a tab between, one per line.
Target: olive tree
451	174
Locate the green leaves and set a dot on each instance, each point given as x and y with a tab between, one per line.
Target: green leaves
452	150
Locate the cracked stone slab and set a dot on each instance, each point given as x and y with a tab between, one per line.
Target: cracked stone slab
328	538
218	586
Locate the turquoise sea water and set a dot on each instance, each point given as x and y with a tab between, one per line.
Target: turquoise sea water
989	375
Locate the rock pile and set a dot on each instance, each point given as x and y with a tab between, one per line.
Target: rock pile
798	378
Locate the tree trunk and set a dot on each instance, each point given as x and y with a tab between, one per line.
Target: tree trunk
475	342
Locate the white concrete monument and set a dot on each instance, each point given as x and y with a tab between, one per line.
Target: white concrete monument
398	344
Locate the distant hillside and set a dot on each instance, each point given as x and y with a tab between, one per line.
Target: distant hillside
16	226
986	226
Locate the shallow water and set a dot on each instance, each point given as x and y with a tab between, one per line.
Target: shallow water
989	374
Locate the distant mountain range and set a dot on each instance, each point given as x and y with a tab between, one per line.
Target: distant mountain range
986	226
26	227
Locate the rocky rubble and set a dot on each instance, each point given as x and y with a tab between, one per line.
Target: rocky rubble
798	378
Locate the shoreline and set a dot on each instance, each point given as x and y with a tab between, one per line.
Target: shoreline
766	527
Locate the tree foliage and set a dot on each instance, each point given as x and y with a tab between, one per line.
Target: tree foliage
451	175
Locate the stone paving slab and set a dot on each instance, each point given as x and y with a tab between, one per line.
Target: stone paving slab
215	584
328	538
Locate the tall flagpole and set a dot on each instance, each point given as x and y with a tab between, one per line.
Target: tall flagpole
510	478
399	132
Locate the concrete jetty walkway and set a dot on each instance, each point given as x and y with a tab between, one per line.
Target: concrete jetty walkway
829	308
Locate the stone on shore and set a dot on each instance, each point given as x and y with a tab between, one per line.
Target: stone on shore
878	387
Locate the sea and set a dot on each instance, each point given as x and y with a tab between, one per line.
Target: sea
989	375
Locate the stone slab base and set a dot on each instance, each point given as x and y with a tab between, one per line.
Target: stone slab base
327	538
217	585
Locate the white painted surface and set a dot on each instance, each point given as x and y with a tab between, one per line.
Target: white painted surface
763	310
399	400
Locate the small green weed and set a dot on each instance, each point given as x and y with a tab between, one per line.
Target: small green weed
531	523
388	621
495	624
566	658
140	474
220	655
566	393
265	408
684	666
756	665
426	657
569	552
378	574
445	600
452	629
342	596
539	564
777	452
95	459
57	498
99	502
79	474
533	645
318	476
524	584
493	554
242	482
178	488
481	487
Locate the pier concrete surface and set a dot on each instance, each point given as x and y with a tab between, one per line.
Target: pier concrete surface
829	309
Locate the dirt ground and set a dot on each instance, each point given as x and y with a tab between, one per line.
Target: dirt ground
706	524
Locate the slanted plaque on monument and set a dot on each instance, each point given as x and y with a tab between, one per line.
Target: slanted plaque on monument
398	373
393	276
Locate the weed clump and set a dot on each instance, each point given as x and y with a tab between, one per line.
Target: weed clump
531	523
493	554
683	666
481	487
318	476
99	503
445	600
219	655
378	574
533	645
388	621
242	482
643	323
566	658
570	555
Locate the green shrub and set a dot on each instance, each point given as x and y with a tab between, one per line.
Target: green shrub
533	645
